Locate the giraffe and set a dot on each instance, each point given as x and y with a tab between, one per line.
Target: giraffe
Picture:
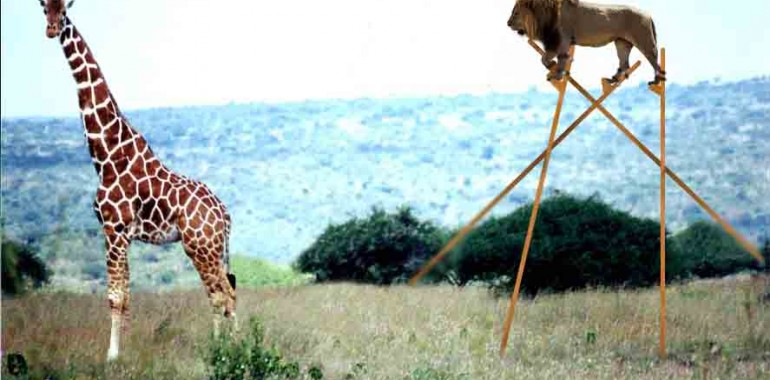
139	198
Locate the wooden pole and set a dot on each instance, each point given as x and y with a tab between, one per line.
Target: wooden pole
753	251
660	89
728	228
596	104
562	87
468	227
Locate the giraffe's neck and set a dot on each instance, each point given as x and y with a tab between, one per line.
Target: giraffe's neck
112	142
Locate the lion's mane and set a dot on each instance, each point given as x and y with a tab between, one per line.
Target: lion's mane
542	20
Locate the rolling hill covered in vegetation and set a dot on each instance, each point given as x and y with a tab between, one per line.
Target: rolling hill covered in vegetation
288	170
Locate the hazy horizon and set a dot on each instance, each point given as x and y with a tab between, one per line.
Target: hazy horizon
591	87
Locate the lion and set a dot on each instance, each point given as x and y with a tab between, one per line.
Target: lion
558	24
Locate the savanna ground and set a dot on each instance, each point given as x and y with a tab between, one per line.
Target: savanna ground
716	330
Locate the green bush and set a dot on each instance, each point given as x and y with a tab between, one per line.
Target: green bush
21	268
576	243
254	273
230	359
708	251
380	249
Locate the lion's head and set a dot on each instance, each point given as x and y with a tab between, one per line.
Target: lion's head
535	18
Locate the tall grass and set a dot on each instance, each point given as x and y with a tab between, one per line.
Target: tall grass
717	329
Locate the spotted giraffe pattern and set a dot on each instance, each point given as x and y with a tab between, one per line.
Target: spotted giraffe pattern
138	197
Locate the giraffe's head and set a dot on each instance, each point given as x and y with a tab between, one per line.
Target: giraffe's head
55	12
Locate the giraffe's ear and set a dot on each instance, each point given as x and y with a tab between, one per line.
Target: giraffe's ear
69	5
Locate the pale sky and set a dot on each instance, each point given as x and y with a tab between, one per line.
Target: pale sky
191	52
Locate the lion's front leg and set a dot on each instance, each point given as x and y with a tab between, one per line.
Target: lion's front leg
547	59
561	67
563	58
548	62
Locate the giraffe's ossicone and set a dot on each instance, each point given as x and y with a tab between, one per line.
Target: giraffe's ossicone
138	197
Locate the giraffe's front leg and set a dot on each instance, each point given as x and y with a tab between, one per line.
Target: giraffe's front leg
117	286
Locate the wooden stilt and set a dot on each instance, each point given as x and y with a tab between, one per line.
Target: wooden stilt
750	248
469	226
545	156
595	103
562	87
660	89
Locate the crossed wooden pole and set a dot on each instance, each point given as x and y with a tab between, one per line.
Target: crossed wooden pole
608	88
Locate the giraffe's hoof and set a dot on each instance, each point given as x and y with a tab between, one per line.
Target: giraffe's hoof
112	354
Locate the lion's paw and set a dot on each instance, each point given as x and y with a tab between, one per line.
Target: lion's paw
555	75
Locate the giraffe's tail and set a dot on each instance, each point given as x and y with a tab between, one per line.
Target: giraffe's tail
226	255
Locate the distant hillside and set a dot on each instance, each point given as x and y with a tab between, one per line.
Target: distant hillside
286	171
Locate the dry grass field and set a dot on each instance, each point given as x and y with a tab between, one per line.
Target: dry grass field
716	329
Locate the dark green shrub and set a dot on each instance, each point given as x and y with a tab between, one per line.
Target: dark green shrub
380	249
21	267
315	372
765	250
708	251
15	364
229	358
576	243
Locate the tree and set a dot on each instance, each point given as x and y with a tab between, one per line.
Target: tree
766	253
21	267
708	251
576	243
380	249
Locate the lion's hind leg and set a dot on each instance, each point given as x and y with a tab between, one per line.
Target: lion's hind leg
660	75
623	49
650	51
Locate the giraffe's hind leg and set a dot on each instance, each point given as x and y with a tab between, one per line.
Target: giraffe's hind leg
214	277
205	246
